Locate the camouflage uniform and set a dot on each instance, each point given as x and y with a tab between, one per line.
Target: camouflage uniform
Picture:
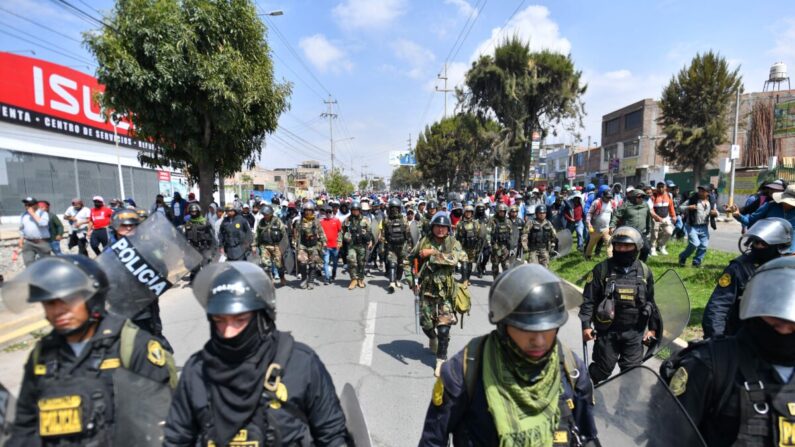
499	238
357	234
269	238
396	240
538	239
468	233
310	240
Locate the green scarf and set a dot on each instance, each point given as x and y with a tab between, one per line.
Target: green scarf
201	220
522	400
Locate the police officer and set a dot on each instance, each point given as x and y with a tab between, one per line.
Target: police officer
396	237
251	383
200	235
619	303
437	256
310	241
739	390
270	233
539	238
122	224
235	236
425	219
467	233
518	385
499	239
766	240
69	391
358	238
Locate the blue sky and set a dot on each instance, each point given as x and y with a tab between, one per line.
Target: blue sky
380	58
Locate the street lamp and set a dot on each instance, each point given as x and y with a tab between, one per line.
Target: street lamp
115	119
274	13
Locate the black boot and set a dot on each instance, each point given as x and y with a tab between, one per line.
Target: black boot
305	275
441	352
310	277
282	278
390	271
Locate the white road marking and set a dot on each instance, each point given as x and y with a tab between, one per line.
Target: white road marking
366	356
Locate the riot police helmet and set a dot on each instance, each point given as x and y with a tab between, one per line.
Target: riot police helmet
356	205
194	209
394	203
442	220
627	235
771	291
266	210
308	206
502	208
469	207
541	209
233	288
528	297
773	231
432	205
126	217
143	213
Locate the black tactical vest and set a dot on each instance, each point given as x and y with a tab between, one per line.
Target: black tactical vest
629	294
198	235
539	235
357	231
270	234
502	231
395	232
468	235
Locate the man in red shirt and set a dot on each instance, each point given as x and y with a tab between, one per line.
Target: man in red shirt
332	227
98	223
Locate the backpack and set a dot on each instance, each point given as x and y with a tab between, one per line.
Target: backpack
462	302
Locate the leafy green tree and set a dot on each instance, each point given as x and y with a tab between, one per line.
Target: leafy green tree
378	184
363	185
196	78
405	177
695	116
338	184
449	151
527	92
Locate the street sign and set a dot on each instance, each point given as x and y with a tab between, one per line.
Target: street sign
735	152
535	145
571	172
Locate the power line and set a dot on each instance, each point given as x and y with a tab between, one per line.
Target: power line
40	25
319	95
32	36
461	33
471	25
295	54
45	47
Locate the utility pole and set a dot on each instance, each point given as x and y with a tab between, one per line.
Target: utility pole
330	115
445	91
734	147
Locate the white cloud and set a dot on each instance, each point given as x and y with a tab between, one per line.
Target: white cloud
370	14
324	55
532	25
416	57
464	8
785	36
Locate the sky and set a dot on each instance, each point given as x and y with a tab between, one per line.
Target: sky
380	59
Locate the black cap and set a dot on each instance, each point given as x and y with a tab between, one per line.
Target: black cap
29	200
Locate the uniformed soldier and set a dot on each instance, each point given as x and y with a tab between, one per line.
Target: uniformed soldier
619	303
200	235
539	238
468	234
518	385
499	239
251	385
270	233
71	388
482	217
396	237
766	240
235	236
425	219
517	227
310	240
739	390
437	255
358	237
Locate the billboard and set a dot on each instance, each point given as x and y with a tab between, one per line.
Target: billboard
402	158
52	97
784	113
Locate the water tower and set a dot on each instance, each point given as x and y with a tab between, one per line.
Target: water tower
778	74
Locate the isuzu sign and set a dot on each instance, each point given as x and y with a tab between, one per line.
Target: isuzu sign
52	97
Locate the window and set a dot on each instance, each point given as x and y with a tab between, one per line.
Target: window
611	152
613	126
277	178
633	120
631	148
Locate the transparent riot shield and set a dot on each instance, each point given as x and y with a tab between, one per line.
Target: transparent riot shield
636	408
673	304
564	243
142	266
8	406
354	417
141	407
414	230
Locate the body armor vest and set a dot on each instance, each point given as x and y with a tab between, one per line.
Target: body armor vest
357	231
469	235
502	231
309	234
539	236
270	234
629	295
198	235
395	232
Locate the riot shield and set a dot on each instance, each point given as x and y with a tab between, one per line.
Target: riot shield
142	266
414	229
141	407
8	407
673	304
564	243
636	408
354	417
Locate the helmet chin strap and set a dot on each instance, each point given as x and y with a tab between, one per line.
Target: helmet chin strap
94	316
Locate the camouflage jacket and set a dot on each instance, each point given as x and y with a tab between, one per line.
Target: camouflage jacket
356	231
309	234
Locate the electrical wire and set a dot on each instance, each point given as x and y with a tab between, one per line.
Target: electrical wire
45	47
40	25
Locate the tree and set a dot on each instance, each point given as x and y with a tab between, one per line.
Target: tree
196	79
363	185
405	177
338	184
695	108
527	92
378	184
449	151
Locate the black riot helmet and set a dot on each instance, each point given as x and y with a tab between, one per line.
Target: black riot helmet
266	210
356	205
59	277
393	207
531	298
775	232
441	220
125	216
232	288
431	206
541	209
194	209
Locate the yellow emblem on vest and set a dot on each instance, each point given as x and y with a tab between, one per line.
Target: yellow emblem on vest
40	370
438	392
786	432
570	403
237	225
60	416
589	278
725	280
155	353
110	363
678	383
791	408
561	437
240	440
281	392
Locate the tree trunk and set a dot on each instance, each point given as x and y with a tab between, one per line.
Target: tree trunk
206	180
697	170
222	190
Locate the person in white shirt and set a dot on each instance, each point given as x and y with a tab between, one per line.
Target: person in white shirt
78	215
598	222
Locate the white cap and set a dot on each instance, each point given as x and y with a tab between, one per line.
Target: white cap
98	199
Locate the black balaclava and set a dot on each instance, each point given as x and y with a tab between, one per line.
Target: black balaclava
624	258
775	348
235	371
762	255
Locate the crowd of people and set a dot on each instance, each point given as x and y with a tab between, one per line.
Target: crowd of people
518	385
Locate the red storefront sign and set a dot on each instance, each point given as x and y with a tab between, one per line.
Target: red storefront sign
164	176
40	94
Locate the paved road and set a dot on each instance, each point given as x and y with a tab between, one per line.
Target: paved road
365	337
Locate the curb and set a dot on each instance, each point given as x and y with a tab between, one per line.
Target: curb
23	331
